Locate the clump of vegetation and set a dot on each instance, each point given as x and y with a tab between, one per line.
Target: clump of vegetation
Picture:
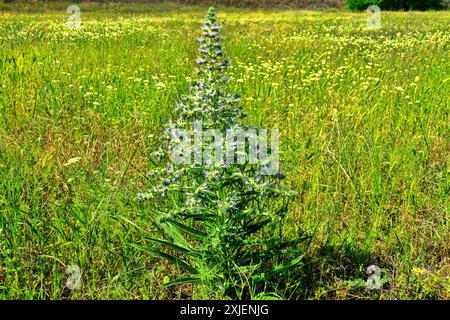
222	222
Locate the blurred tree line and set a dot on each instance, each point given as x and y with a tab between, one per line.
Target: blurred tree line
235	3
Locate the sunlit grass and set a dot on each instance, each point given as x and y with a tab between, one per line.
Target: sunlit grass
364	116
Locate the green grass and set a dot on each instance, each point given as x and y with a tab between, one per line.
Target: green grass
364	117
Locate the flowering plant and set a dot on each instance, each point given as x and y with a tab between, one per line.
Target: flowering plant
222	222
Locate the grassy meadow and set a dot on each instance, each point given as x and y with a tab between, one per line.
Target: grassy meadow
363	115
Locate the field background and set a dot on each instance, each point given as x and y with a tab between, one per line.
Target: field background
364	118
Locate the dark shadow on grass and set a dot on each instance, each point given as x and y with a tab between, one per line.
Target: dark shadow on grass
325	271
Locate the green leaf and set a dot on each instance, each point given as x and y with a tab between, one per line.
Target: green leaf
192	232
278	269
256	226
181	280
173	232
168	257
172	245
